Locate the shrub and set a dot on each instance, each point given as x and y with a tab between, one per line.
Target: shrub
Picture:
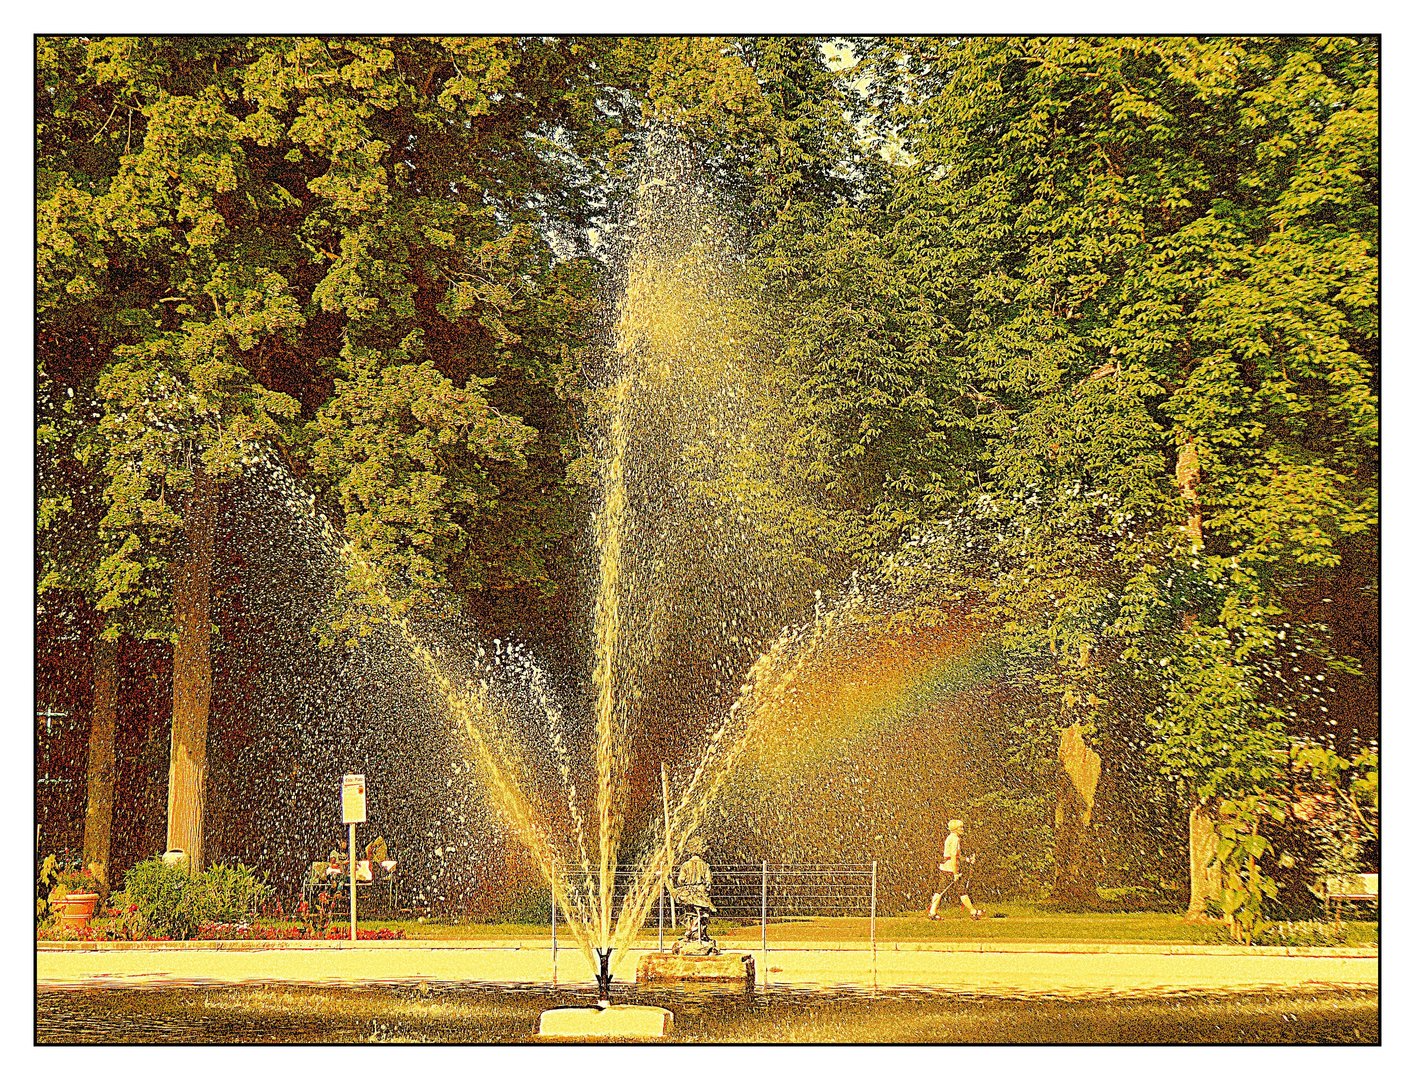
229	893
154	896
526	906
1239	858
1138	898
166	901
48	875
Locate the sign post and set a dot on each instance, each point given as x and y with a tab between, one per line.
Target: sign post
355	803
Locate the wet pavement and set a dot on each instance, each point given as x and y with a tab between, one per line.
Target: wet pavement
964	968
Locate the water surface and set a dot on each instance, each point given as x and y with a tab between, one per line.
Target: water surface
477	1013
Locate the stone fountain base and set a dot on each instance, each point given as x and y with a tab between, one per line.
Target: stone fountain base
736	970
601	1022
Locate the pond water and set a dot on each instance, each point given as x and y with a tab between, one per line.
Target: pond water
464	1012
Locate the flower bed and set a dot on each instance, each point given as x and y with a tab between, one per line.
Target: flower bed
116	928
287	932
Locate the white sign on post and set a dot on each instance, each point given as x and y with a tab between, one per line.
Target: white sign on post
355	801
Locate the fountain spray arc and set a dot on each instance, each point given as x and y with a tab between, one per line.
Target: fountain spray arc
686	404
697	500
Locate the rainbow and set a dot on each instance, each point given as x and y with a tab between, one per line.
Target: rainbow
866	686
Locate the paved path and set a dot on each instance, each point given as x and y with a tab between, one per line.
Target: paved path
997	968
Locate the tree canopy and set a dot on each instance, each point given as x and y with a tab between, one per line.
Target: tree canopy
1090	323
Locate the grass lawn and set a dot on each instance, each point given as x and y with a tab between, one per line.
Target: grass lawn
1022	922
448	930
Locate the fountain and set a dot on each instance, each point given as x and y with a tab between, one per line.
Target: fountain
675	342
693	433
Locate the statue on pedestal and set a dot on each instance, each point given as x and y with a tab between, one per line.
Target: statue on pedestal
694	881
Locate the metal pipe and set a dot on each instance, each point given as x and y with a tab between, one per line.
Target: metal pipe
763	915
667	851
554	943
353	888
874	879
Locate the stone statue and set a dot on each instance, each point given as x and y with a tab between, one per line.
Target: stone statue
694	881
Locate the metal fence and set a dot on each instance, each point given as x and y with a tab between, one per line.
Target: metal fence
764	893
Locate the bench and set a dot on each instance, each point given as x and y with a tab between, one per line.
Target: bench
1349	888
318	880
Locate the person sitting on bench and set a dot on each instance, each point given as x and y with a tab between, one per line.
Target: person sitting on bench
377	855
339	859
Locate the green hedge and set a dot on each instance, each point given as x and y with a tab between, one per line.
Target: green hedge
169	902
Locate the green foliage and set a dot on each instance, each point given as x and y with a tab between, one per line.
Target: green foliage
1023	865
1341	806
236	233
158	892
231	893
48	878
414	458
1090	322
168	902
1239	856
1096	257
528	907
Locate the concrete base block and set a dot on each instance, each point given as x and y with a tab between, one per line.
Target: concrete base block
598	1022
735	969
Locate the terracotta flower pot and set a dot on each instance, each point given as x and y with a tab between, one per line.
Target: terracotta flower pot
75	909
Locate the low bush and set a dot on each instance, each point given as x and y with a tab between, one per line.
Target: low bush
231	893
161	901
528	907
1135	898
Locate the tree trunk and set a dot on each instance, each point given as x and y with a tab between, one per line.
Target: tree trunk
1205	879
1205	882
1078	776
102	759
191	673
1186	476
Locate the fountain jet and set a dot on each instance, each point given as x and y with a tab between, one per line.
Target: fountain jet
603	977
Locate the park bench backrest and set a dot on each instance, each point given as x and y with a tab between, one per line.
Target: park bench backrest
1353	887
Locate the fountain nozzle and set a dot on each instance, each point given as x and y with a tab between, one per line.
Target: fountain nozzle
603	977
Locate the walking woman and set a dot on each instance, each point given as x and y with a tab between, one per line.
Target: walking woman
951	874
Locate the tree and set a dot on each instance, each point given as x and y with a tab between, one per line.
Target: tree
68	556
237	231
1088	323
1184	291
1140	281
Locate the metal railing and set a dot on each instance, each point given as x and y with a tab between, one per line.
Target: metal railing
764	893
